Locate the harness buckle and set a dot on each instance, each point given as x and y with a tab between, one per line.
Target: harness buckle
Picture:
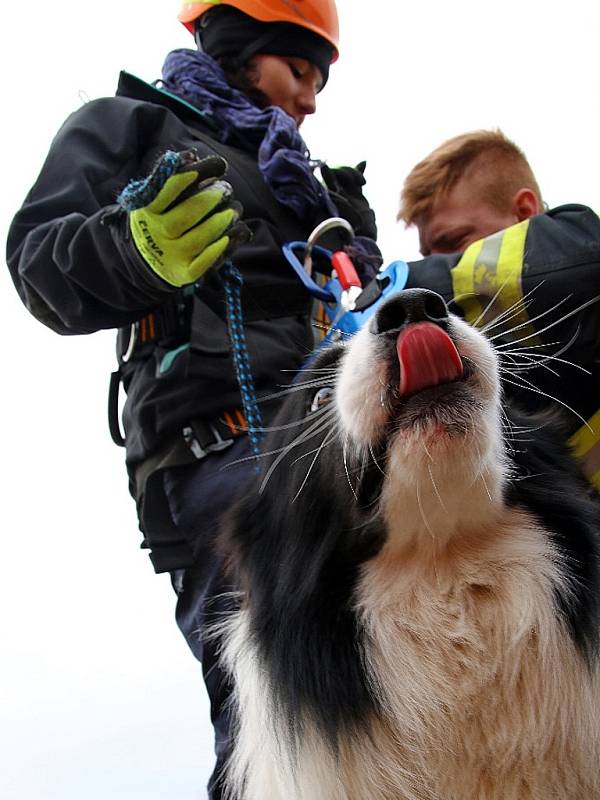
199	446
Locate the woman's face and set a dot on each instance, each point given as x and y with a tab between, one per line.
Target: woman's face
289	82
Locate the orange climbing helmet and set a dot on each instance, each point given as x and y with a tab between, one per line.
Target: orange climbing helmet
318	16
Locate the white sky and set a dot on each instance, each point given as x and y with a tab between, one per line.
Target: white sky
99	696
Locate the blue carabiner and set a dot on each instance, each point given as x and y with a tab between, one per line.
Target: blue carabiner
387	282
346	321
319	292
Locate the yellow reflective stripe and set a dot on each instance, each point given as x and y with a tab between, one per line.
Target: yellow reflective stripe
511	254
463	283
585	443
509	275
490	267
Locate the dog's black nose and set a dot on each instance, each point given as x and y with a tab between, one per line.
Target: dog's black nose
410	305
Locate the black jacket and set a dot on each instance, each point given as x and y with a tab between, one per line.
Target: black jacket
77	272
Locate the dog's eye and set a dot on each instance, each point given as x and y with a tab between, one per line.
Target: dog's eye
323	396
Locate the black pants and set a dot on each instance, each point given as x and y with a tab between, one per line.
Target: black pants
198	494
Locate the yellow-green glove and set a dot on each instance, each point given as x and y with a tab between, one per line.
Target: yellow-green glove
191	223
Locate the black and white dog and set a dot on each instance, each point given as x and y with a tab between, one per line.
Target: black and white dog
420	588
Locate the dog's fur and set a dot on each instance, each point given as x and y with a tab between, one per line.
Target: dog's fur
420	591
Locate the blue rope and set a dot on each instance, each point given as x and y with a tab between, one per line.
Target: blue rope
140	193
232	281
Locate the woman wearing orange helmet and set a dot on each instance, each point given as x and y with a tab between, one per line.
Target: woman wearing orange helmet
82	262
235	32
318	16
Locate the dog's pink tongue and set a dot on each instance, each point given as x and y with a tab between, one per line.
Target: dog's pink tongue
427	357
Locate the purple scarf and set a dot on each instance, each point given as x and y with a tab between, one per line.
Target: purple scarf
270	134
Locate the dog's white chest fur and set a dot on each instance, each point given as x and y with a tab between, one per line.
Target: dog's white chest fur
478	674
484	695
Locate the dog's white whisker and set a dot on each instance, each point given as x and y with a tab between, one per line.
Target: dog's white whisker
297	387
345	458
435	488
542	359
552	356
488	306
422	512
555	322
427	453
324	411
374	459
316	449
282	450
502	320
516	308
513	367
319	449
513	310
324	370
311	431
529	322
525	384
486	487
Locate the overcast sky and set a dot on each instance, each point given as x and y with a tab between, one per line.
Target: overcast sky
100	698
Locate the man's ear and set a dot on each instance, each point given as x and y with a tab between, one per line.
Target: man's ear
525	204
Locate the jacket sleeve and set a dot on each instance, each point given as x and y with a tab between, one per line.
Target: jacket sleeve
68	249
535	289
539	275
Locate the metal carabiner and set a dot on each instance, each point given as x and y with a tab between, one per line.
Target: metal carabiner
322	228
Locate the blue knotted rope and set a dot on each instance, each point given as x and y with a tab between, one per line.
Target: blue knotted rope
140	193
232	281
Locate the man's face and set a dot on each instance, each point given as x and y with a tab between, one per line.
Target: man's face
459	219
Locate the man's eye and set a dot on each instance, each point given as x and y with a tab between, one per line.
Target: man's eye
295	72
454	244
323	396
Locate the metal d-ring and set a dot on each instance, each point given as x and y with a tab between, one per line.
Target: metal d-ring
321	229
131	342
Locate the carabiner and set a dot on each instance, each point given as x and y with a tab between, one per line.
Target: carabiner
322	228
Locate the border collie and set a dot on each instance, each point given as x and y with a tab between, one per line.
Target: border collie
419	580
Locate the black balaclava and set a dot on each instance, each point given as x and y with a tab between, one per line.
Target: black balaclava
225	31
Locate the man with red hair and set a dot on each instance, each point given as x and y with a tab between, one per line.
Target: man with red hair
469	187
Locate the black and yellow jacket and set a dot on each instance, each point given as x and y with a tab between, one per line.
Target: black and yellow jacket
535	288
